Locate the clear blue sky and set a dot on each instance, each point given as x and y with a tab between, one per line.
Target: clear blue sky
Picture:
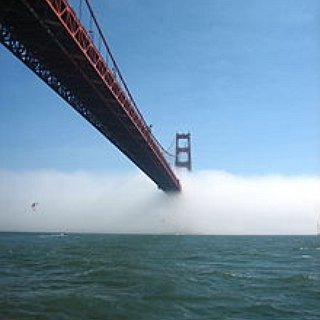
242	76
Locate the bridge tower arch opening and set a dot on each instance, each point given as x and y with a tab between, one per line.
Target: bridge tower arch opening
183	151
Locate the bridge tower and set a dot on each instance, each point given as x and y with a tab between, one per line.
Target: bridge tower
183	151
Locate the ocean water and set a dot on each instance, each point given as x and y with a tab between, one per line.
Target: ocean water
95	276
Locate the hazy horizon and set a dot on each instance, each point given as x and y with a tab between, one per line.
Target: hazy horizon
212	202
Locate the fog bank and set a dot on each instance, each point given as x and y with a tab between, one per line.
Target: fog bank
212	202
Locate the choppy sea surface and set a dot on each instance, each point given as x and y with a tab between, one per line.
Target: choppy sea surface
96	276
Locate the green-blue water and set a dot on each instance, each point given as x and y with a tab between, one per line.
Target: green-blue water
76	276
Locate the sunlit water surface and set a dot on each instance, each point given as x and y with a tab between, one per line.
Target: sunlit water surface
83	276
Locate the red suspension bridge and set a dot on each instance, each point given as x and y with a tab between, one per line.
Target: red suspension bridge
50	39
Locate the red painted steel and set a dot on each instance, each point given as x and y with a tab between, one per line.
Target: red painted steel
183	149
102	99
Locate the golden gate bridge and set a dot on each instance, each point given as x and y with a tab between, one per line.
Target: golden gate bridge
50	39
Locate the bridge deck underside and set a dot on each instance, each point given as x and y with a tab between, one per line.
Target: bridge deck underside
33	32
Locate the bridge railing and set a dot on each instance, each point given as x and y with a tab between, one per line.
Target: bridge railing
92	42
85	14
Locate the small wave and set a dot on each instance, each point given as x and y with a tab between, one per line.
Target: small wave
298	278
226	274
56	235
229	275
99	272
264	309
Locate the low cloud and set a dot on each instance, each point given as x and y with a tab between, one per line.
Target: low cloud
211	203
